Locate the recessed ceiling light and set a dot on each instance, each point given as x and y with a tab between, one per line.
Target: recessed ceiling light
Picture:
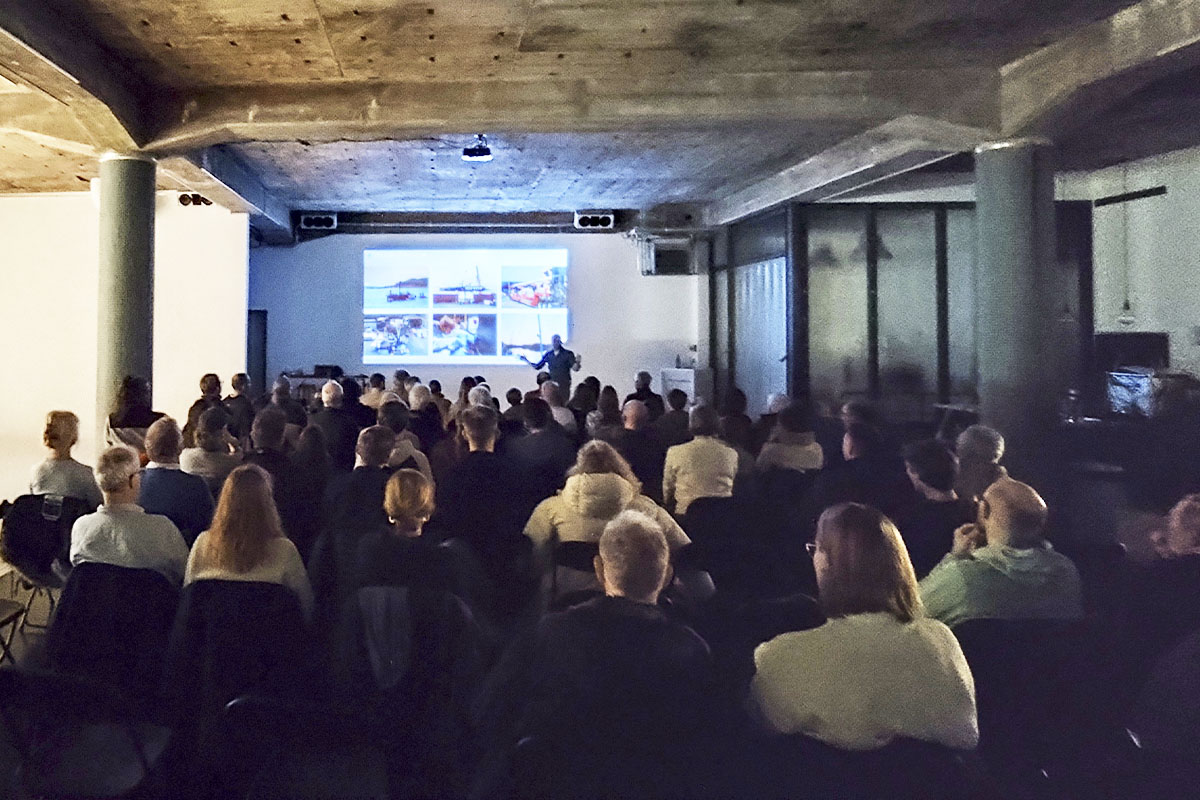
479	151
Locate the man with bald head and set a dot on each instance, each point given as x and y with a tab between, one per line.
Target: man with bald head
641	448
1002	567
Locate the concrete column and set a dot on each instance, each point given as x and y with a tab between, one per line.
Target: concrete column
1021	373
126	298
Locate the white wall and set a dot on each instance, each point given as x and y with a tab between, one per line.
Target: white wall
621	321
48	314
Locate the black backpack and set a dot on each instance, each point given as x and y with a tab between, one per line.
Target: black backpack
37	530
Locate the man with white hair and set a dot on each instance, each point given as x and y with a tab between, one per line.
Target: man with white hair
643	392
979	449
340	429
120	532
553	394
616	669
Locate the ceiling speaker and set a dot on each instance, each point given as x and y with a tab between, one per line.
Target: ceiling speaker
595	220
318	222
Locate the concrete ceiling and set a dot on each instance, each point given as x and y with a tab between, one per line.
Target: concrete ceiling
274	105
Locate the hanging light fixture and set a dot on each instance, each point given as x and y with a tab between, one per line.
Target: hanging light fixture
479	151
1126	316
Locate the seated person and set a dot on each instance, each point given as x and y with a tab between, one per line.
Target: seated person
879	669
552	393
246	541
672	427
1002	567
406	453
59	473
870	475
642	391
791	444
604	422
736	425
216	452
928	523
166	489
514	398
338	425
240	407
354	501
599	487
121	533
703	467
638	445
545	453
979	449
614	671
210	397
133	416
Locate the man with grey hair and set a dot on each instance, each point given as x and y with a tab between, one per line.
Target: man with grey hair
703	467
979	449
615	673
168	490
554	396
120	532
643	392
339	427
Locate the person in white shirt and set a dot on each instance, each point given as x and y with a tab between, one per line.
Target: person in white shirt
246	541
703	467
120	532
879	669
59	473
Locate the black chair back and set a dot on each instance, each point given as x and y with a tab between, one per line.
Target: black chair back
113	624
36	531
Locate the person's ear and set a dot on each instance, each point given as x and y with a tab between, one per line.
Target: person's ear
598	566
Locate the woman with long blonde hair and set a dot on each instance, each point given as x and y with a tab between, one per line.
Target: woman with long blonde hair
246	541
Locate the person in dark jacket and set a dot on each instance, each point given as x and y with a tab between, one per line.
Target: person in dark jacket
642	391
240	407
672	427
936	511
363	416
266	433
166	489
340	429
545	454
641	448
210	397
869	476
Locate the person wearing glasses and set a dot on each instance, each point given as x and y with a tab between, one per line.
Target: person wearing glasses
120	532
879	669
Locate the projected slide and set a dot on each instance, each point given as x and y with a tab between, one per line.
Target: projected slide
481	306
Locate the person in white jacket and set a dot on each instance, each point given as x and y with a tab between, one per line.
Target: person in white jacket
599	486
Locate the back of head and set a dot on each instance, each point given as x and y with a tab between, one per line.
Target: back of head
861	411
479	424
394	415
377	381
164	441
268	427
210	385
635	556
375	445
332	394
115	467
479	395
863	566
777	402
62	430
598	457
552	393
240	383
865	440
408	499
594	382
704	421
419	397
1183	526
677	399
464	388
635	415
351	390
609	403
542	377
312	451
210	431
736	403
537	413
932	463
1013	514
435	386
245	521
513	396
134	392
980	443
643	380
282	384
796	418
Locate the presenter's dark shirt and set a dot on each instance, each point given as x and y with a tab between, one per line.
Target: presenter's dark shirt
558	363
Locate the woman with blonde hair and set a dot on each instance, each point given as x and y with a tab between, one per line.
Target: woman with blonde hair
599	486
59	473
246	541
878	669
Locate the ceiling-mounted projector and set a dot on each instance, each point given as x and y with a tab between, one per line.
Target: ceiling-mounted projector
479	151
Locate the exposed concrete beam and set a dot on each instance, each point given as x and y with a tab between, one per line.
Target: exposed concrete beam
54	53
226	180
350	111
1059	86
45	121
892	148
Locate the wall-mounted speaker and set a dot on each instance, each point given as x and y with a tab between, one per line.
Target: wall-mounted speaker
595	220
318	222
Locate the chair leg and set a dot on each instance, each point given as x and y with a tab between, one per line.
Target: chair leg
6	644
29	604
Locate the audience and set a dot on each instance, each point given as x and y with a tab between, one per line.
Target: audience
1001	567
339	427
281	398
216	452
120	532
239	406
210	397
638	446
406	453
642	391
672	427
514	411
736	426
376	387
604	422
300	495
363	416
792	444
764	426
553	395
60	474
703	467
600	486
869	475
246	540
127	424
878	669
396	554
979	449
544	454
166	489
928	523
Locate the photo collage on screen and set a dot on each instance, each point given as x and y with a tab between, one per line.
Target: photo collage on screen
486	306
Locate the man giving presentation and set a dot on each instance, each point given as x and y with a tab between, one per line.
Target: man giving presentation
559	362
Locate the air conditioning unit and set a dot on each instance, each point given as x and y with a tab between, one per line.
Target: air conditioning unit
318	222
673	253
595	220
